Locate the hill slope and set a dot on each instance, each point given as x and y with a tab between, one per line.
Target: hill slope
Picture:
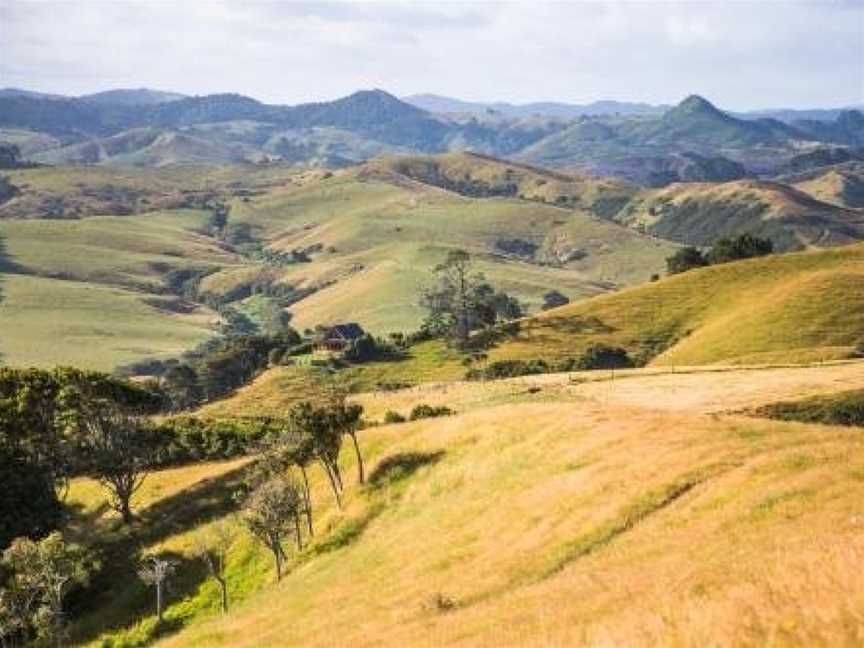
369	237
374	233
803	306
700	213
530	523
841	185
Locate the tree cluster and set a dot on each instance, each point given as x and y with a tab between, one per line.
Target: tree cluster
45	419
35	579
745	246
460	301
279	503
596	356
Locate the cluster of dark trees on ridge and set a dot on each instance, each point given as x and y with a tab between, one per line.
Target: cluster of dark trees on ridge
725	250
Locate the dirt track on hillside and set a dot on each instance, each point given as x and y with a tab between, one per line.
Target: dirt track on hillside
722	391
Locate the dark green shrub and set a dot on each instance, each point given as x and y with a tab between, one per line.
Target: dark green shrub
685	259
393	417
846	408
601	356
509	369
553	299
184	439
422	411
745	246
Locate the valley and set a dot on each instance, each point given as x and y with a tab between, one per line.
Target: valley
432	373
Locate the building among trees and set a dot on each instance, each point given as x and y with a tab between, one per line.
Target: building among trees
338	337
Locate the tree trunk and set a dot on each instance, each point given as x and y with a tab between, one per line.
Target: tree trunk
126	511
223	590
159	601
338	474
277	554
308	498
359	458
297	530
332	479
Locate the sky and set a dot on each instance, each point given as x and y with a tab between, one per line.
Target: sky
739	54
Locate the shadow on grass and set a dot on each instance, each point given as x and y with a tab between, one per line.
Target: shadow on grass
7	266
347	532
400	466
392	470
116	598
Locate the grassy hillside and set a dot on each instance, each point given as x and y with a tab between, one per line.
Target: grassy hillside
841	185
80	191
91	292
374	234
700	213
529	523
472	174
371	236
844	408
802	306
45	322
133	251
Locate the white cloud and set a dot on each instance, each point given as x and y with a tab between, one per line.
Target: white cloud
740	54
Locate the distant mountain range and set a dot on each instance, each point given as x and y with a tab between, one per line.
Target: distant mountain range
651	145
440	104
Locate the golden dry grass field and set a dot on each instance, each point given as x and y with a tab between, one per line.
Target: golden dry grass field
630	512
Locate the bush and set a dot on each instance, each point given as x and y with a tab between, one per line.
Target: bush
509	369
184	439
845	408
553	298
422	411
393	417
685	259
745	246
601	356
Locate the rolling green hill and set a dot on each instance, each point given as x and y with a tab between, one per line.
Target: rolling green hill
700	213
371	235
91	292
784	308
375	233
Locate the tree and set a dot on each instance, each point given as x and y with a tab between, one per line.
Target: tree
745	246
343	417
28	502
601	356
325	440
461	301
553	299
180	383
42	574
347	421
685	259
41	416
271	514
212	547
120	450
450	303
288	447
155	571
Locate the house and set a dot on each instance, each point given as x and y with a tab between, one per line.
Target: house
337	337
